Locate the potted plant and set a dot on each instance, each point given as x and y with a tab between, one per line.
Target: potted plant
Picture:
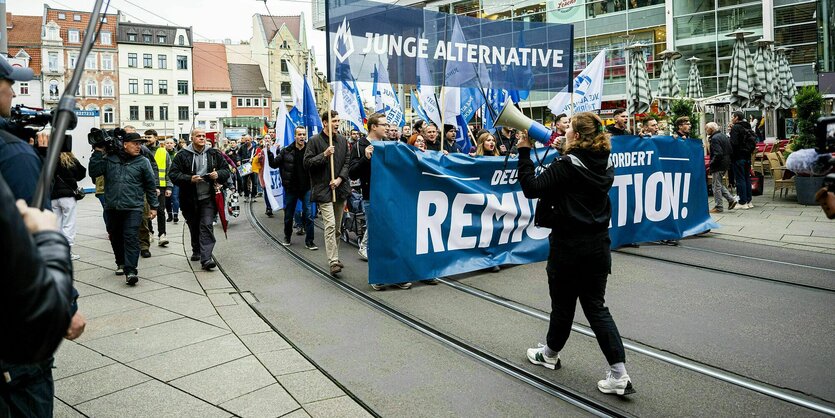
809	103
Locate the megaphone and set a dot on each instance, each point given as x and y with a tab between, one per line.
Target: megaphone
513	117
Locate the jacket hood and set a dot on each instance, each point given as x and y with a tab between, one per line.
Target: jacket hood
599	169
744	124
190	148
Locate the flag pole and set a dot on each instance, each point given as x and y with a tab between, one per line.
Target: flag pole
327	83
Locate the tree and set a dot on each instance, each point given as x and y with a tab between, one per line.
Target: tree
684	107
809	103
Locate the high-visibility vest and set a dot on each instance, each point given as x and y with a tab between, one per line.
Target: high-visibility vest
161	156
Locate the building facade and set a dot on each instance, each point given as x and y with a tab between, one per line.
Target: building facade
24	42
98	90
212	88
156	81
251	101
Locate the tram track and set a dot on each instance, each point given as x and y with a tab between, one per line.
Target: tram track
571	396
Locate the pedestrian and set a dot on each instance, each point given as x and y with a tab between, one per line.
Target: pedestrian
296	182
487	144
128	184
720	162
246	152
68	173
163	161
743	143
329	192
574	203
196	170
621	120
172	205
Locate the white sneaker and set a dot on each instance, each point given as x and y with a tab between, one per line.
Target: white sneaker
74	256
163	241
537	356
743	207
750	205
363	254
377	287
622	386
404	286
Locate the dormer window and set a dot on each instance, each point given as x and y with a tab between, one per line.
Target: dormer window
62	16
146	38
181	40
161	38
132	37
76	18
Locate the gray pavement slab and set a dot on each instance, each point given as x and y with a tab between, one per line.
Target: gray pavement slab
342	407
102	304
186	360
124	321
150	399
73	358
62	410
270	401
299	413
310	386
226	381
180	301
98	382
264	342
284	361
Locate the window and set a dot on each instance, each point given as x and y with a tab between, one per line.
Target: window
182	87
285	89
72	59
182	112
149	86
163	113
92	89
24	89
163	61
212	105
76	18
181	40
107	113
161	39
90	64
107	88
284	66
62	16
248	102
133	86
163	87
147	60
106	62
240	102
224	105
256	102
106	38
149	113
201	105
73	36
132	37
182	62
146	38
53	33
52	61
132	60
53	90
134	113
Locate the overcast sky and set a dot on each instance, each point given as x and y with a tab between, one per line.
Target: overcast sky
210	19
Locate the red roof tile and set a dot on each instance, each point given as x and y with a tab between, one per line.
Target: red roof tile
210	67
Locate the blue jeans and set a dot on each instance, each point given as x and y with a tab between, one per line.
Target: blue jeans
172	204
30	392
366	209
742	179
291	199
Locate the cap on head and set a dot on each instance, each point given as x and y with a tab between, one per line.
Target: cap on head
14	74
133	137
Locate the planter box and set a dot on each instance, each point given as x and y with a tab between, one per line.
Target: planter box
806	189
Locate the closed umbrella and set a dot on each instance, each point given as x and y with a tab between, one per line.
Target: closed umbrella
640	96
766	74
694	80
221	208
787	88
668	85
742	79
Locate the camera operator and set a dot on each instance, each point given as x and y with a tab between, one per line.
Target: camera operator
128	182
146	227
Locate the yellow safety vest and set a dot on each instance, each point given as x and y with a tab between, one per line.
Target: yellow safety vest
161	156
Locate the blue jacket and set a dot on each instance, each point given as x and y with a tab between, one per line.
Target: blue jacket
128	181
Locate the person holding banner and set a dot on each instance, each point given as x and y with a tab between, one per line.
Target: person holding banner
296	182
430	135
574	203
619	127
487	144
451	146
321	159
560	126
650	127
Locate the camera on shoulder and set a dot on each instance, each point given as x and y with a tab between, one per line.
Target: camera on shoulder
109	141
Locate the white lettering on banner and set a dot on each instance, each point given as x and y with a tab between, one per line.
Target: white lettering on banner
413	47
631	159
505	208
504	177
674	194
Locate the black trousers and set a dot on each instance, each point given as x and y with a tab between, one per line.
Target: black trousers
123	226
161	212
250	185
199	218
578	269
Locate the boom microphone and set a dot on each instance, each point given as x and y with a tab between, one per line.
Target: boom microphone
513	117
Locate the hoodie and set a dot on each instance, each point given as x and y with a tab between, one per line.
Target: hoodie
199	166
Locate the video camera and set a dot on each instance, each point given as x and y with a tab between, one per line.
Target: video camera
110	141
23	117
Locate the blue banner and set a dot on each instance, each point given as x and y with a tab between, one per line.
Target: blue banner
458	213
503	54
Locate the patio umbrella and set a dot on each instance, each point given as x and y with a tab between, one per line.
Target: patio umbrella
221	209
694	81
668	85
786	81
766	74
742	79
640	96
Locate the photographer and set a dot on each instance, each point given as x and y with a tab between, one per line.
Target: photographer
128	182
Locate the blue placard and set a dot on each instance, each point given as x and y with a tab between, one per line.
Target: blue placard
87	113
459	51
435	215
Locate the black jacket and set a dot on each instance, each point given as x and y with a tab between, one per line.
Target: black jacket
508	142
285	161
720	152
66	179
245	154
738	132
183	168
128	181
360	167
318	166
615	131
36	299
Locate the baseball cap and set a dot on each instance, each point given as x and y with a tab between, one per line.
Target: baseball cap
15	74
133	137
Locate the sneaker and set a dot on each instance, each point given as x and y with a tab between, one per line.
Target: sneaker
176	218
622	386
253	200
311	246
269	213
120	270
246	198
716	210
74	256
169	218
377	287
335	269
750	205
209	265
163	241
537	356
299	230
495	269
214	223
285	242
195	257
671	242
363	254
743	206
430	282
131	279
339	263
145	253
731	204
259	194
404	286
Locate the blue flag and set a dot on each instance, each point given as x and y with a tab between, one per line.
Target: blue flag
296	116
418	108
312	122
462	137
471	100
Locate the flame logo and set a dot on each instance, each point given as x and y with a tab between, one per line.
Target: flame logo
343	45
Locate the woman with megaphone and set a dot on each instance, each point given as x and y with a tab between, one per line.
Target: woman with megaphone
573	195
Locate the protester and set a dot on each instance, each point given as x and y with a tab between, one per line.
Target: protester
450	146
246	151
650	127
430	135
65	194
172	205
393	133
621	120
506	140
557	137
163	160
487	144
407	132
320	165
417	141
181	145
296	182
574	203
682	128
740	131
720	162
128	184
196	170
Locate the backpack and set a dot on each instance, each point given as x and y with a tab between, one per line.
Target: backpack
749	141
